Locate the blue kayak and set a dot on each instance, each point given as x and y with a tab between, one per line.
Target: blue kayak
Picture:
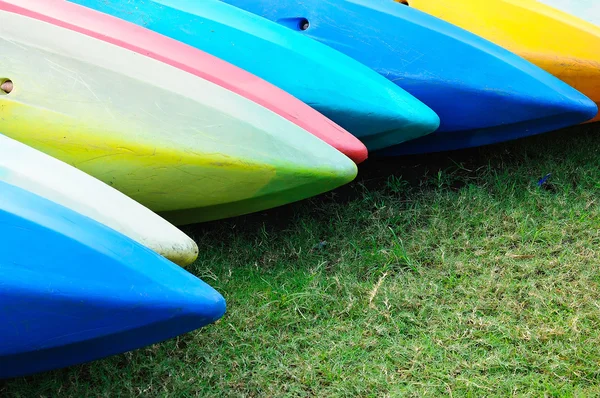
372	108
73	290
483	93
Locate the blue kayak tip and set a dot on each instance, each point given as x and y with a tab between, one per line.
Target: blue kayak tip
357	98
555	106
574	102
204	302
74	290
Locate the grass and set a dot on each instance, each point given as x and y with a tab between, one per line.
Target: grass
449	274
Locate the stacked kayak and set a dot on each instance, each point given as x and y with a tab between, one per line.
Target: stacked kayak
87	272
118	118
369	106
53	180
557	42
74	290
483	93
155	46
177	143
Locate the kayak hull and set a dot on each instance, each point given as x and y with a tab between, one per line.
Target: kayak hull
485	95
440	142
159	47
167	138
58	311
58	182
376	111
559	43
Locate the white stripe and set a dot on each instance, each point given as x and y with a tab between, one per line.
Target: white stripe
588	10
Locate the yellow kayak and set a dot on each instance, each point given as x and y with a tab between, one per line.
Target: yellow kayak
563	45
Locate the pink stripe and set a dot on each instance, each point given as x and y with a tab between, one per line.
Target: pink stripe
151	44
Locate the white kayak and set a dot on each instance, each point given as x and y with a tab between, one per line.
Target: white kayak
38	173
588	10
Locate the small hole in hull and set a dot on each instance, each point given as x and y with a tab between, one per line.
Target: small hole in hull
405	2
6	86
303	24
296	23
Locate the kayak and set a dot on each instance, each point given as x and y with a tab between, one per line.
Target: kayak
588	10
159	47
176	143
74	290
483	93
58	182
375	110
553	40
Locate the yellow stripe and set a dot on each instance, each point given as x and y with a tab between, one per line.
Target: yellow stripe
162	178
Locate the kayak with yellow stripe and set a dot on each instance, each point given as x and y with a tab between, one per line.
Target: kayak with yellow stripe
557	42
176	143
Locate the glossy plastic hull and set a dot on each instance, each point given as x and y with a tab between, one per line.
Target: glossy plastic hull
482	93
42	175
74	290
376	111
176	143
553	40
150	44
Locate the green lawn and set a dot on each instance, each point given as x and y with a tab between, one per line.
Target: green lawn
446	274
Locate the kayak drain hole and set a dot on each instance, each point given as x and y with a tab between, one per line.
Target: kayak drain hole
303	24
6	86
405	2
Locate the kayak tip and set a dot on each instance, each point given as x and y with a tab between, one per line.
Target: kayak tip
576	105
398	124
207	305
182	252
352	147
